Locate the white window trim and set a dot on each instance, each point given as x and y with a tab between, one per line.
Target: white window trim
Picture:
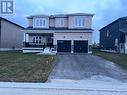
37	39
40	26
82	24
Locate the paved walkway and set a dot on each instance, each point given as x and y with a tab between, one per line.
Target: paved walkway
79	67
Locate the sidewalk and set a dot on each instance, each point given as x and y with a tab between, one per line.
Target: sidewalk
64	87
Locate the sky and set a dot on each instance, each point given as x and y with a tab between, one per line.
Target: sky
105	11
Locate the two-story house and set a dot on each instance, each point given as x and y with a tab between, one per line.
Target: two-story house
71	33
113	37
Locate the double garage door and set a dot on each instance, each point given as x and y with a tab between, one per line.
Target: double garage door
79	46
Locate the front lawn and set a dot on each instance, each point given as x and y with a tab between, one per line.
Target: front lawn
120	59
16	66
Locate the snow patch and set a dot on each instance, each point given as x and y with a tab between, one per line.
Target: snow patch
103	78
47	51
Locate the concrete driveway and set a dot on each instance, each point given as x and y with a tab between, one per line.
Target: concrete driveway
80	67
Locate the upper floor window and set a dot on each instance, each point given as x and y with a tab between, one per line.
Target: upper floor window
62	22
107	33
40	22
79	22
116	42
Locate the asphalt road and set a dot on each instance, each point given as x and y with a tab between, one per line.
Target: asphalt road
80	67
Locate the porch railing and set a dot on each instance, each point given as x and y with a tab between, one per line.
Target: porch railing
35	45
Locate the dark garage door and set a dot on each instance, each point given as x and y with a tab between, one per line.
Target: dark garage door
80	46
63	46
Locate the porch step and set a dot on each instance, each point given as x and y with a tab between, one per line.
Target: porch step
32	50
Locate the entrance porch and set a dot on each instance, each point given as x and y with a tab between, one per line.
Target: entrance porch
37	42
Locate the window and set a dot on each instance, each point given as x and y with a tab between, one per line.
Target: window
33	39
40	22
62	22
121	46
37	39
37	22
107	33
79	21
116	42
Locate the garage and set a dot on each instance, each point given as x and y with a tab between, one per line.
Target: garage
63	45
81	46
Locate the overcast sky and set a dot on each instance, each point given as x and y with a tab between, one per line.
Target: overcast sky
105	11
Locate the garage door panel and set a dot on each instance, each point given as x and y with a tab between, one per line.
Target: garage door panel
80	46
63	46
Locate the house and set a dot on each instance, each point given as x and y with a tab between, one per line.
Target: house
113	37
68	33
11	36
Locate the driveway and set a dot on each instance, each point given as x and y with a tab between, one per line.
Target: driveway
80	67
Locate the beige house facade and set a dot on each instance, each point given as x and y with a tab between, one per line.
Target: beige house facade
68	33
11	36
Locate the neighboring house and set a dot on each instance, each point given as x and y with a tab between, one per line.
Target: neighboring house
70	33
114	36
11	36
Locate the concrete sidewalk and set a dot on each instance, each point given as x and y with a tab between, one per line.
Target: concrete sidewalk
64	87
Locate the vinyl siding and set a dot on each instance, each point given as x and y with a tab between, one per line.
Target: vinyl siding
11	35
30	22
109	42
57	22
52	22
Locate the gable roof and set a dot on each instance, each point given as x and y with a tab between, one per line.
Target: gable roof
61	15
80	14
41	15
53	28
125	17
1	18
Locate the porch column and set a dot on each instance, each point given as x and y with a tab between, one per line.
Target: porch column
55	43
27	37
24	37
126	44
72	46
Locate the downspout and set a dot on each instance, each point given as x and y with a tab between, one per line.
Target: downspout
119	36
0	32
125	43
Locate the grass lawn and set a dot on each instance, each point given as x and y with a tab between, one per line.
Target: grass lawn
120	59
16	66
